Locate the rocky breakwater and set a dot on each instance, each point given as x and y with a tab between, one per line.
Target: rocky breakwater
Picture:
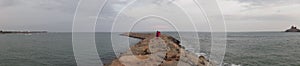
158	51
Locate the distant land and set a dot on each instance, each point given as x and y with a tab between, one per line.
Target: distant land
7	32
293	29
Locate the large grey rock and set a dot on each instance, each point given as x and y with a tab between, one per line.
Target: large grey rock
158	51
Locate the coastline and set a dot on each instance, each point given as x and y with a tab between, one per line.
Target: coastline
10	32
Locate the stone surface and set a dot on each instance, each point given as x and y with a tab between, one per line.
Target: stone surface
158	51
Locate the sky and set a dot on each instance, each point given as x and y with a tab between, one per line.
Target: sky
239	15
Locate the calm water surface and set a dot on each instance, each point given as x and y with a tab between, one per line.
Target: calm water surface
245	48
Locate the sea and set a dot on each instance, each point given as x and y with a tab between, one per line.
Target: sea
242	49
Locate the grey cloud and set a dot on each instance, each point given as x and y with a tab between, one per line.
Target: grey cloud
261	18
50	15
267	3
259	23
7	3
109	12
67	6
60	5
260	2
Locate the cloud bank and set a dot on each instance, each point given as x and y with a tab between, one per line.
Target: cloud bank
57	15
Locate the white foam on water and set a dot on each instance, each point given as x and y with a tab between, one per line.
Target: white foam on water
228	64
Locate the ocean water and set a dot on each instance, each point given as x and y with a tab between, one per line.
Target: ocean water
243	48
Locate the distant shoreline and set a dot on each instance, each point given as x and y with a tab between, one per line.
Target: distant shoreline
141	32
9	32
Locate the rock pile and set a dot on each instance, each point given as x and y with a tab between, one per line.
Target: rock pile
158	51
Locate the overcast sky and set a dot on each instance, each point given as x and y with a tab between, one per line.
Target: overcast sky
240	15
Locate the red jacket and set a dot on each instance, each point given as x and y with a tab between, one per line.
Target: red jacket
157	34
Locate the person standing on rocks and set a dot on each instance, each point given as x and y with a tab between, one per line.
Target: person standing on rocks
157	33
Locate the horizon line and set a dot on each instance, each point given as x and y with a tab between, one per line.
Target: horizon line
160	31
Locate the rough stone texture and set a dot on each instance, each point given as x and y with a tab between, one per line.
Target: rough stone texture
158	51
